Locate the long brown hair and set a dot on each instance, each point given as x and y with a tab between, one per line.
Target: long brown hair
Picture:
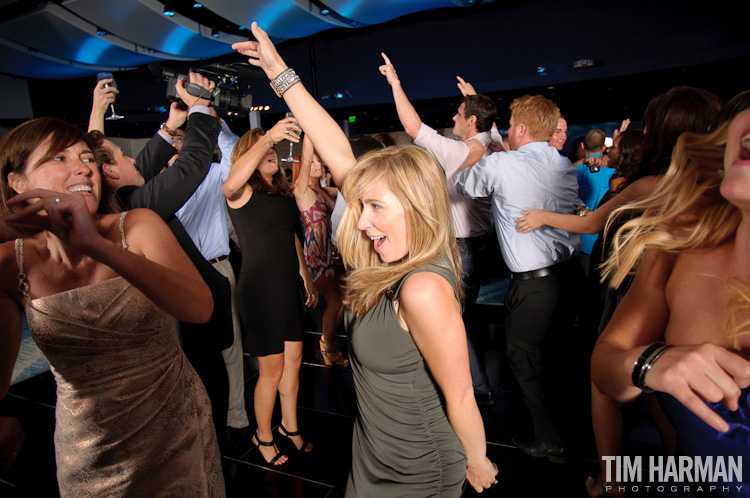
279	184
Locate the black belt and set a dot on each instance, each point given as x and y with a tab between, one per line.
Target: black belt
216	260
529	275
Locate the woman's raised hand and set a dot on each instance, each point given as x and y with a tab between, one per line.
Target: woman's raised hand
286	129
481	476
261	53
700	373
65	215
388	70
531	220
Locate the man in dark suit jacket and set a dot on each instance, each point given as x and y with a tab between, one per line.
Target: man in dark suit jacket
138	184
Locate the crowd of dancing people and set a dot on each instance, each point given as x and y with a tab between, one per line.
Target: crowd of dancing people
121	268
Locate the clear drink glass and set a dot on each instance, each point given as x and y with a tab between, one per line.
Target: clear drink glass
104	76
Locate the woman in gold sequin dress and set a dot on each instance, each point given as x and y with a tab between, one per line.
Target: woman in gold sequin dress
132	417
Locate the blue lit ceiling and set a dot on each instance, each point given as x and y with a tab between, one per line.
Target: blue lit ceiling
72	38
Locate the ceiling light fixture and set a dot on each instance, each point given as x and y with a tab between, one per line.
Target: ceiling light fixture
168	12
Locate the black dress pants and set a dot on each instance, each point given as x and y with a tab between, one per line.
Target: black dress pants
538	308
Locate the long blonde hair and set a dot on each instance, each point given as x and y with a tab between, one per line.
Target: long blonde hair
685	212
418	182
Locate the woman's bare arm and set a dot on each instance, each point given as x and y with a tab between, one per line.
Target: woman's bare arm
326	135
594	221
155	263
303	194
427	305
690	373
248	162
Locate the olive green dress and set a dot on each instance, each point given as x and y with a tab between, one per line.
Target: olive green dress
403	444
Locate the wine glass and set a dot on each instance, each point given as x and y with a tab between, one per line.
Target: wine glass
113	84
290	157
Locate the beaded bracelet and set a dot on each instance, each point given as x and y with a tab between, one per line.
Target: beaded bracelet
284	81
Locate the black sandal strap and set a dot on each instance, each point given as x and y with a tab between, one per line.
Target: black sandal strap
287	433
263	443
276	458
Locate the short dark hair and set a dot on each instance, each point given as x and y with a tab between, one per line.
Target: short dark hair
594	139
483	108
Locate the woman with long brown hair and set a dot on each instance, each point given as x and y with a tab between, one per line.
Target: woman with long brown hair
98	288
265	218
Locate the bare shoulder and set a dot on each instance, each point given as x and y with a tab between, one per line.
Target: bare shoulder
428	291
141	219
141	226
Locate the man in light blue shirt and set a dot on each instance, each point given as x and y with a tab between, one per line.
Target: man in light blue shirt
593	181
205	220
544	267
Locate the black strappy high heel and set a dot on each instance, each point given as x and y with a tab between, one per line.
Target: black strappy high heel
305	441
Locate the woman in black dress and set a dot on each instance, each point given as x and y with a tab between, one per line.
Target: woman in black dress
265	216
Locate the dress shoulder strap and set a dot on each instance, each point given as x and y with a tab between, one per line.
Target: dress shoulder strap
23	282
122	231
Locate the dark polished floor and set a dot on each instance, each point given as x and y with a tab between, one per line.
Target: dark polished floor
327	409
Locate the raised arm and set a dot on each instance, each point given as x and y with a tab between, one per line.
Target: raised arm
103	97
408	116
327	137
432	315
303	194
594	221
155	263
159	149
248	162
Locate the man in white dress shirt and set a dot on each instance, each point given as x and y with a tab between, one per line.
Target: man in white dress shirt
472	218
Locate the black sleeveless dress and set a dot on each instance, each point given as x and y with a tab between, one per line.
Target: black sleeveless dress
403	444
268	288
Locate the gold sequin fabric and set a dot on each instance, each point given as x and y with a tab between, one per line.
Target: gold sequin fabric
133	418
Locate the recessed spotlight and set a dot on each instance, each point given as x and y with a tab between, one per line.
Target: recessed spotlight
168	12
325	12
214	33
197	5
101	32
